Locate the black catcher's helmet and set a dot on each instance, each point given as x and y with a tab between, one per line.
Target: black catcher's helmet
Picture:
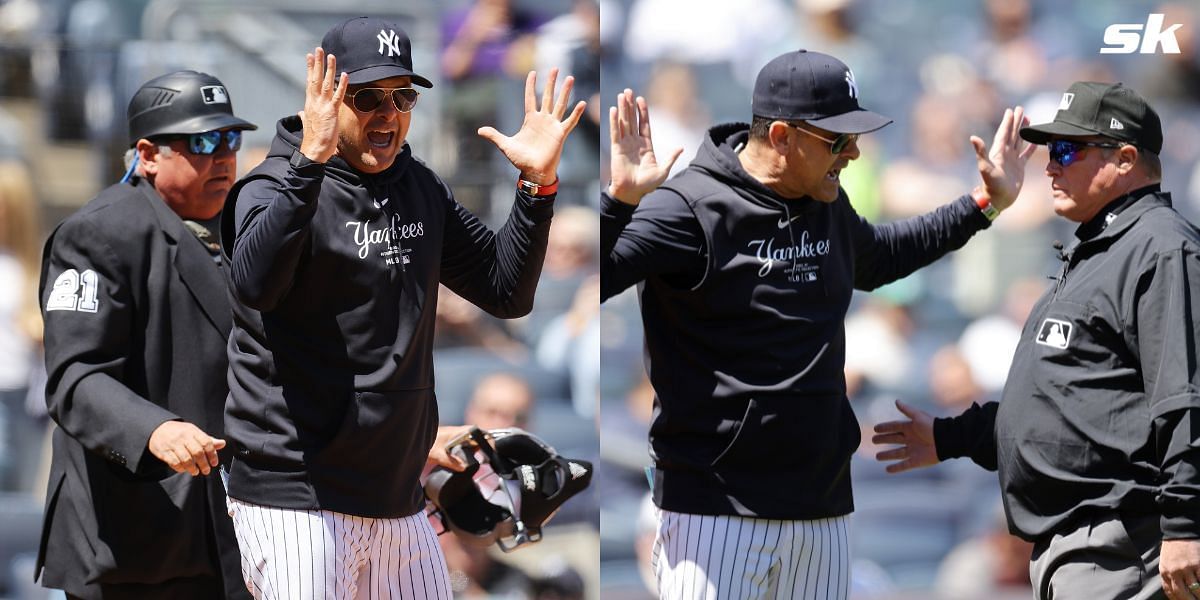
513	484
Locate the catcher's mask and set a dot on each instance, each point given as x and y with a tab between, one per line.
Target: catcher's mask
513	483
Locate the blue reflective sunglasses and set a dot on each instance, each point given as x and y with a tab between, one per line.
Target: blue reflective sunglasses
1066	152
209	142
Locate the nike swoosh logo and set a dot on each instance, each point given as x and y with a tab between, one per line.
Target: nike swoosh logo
783	222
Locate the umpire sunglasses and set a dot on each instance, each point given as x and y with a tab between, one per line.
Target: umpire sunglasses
210	141
836	145
366	100
1066	152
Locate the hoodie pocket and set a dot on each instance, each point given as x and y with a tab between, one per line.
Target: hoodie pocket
375	459
742	430
791	433
383	424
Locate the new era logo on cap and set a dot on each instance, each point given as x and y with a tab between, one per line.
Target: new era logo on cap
1115	124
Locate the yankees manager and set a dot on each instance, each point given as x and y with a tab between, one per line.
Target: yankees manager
136	319
748	259
1095	437
339	241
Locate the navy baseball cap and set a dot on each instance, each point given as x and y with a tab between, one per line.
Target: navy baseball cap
370	48
816	88
1108	109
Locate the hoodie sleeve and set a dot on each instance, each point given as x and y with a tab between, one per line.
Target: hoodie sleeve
660	236
272	227
885	253
496	271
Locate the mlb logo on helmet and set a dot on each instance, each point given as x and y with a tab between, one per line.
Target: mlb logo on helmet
214	94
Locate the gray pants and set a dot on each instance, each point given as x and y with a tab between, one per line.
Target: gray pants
1107	557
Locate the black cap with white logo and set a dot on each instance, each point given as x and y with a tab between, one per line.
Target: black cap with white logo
816	88
1107	109
369	49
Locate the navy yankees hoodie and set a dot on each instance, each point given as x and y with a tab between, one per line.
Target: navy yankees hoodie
335	280
743	298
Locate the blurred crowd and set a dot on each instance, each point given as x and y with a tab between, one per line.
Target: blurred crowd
67	71
942	338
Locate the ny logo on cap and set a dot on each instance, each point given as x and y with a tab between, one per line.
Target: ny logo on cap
1115	124
214	94
1065	103
390	40
850	82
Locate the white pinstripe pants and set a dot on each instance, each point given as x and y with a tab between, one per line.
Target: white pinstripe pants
719	557
326	555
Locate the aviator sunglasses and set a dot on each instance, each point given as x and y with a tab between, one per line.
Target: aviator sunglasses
210	141
368	99
1065	152
836	145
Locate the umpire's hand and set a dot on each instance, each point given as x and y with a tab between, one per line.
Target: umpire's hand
1179	567
913	439
185	448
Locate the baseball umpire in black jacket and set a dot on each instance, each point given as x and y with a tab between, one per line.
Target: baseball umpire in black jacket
1095	437
133	295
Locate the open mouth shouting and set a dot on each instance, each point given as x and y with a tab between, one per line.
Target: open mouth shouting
379	138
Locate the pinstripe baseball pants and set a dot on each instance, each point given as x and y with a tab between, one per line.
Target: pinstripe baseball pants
325	555
719	557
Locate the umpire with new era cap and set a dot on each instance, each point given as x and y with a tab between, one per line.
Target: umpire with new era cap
747	261
1095	435
133	294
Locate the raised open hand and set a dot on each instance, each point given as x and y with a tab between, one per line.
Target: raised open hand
1003	169
321	102
635	169
536	149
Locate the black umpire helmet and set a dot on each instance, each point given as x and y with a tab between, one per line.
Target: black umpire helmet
182	102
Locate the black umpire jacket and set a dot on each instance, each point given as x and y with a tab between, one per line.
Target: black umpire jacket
136	322
1100	411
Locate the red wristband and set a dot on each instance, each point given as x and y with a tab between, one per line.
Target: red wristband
538	191
984	202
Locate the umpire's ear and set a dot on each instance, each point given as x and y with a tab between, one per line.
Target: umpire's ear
148	155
